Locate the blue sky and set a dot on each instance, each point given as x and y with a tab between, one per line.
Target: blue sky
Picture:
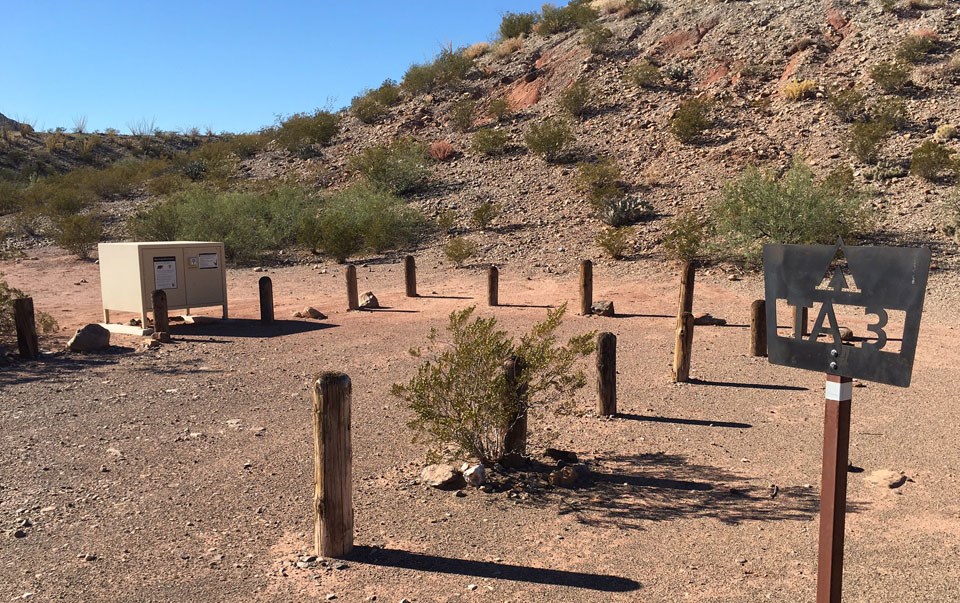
227	66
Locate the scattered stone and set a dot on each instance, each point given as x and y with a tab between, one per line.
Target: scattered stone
90	338
20	533
368	301
443	477
886	477
562	455
234	424
339	565
310	312
471	587
733	277
330	597
602	308
846	334
460	494
307	562
475	475
774	490
258	269
706	320
149	343
569	476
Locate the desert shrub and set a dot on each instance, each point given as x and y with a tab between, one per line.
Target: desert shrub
795	89
490	141
10	200
645	75
475	51
399	167
448	68
419	78
577	98
891	77
195	169
441	150
945	132
458	250
888	6
301	130
460	394
951	215
916	48
615	241
596	37
550	138
929	160
78	233
362	218
368	109
623	210
507	46
388	94
578	13
461	114
599	181
159	222
45	322
866	138
690	120
759	208
245	146
685	237
166	184
498	108
484	214
515	25
849	104
447	220
889	111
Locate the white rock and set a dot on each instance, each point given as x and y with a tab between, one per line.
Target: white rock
475	475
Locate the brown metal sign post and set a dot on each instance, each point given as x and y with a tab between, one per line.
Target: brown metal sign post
833	490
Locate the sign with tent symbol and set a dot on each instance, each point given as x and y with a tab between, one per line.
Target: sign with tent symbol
873	282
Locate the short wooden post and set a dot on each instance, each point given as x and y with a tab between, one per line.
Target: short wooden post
353	298
333	466
758	328
26	326
800	322
606	374
161	319
515	431
410	275
687	280
682	348
266	300
586	287
493	286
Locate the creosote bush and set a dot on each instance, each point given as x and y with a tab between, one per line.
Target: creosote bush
577	98
691	119
484	214
78	233
490	141
449	68
399	167
849	104
866	138
459	249
760	207
645	75
460	394
514	25
599	180
461	114
550	138
615	241
596	37
891	77
367	109
498	108
576	14
686	236
929	160
45	323
301	130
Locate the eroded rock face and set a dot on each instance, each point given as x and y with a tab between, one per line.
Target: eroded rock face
90	338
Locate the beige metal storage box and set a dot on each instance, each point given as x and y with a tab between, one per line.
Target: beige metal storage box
190	272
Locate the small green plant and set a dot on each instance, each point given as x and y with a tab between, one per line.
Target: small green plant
916	48
302	130
691	120
929	160
388	94
576	14
514	25
490	141
458	250
615	241
484	214
78	233
866	138
686	236
399	167
951	215
849	104
945	132
576	99
368	109
550	138
645	75
447	220
891	77
461	395
498	108
889	111
599	181
623	211
596	37
461	114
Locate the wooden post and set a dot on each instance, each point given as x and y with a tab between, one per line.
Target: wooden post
353	298
687	278
161	319
758	328
266	300
586	287
26	326
606	374
493	286
833	490
800	322
682	348
515	431
410	275
333	466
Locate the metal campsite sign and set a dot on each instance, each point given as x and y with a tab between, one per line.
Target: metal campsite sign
878	281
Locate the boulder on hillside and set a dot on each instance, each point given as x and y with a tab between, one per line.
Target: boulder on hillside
90	338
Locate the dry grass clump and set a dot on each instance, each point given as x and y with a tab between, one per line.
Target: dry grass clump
507	47
945	132
625	8
796	90
441	150
475	51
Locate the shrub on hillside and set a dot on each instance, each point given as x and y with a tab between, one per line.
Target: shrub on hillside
615	241
459	249
550	138
301	130
916	48
507	47
796	90
461	114
760	207
645	75
399	167
599	180
577	98
448	68
891	77
929	160
685	237
596	37
691	120
514	25
490	141
866	138
475	51
890	111
368	109
578	13
849	104
484	214
441	150
623	211
951	215
78	233
498	108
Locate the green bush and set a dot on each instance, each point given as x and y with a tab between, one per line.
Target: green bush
485	214
399	167
10	197
498	108
461	114
929	160
691	119
513	25
458	250
550	138
578	13
645	75
302	130
599	180
160	222
951	216
866	138
686	236
447	69
624	210
460	394
388	94
576	99
759	208
45	322
615	241
849	104
890	111
78	233
419	78
596	37
368	109
489	141
891	77
916	48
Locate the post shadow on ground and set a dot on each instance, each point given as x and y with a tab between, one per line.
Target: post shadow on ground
625	315
247	327
542	307
682	421
438	296
487	569
770	386
388	309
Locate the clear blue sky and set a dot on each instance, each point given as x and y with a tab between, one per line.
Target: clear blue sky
229	66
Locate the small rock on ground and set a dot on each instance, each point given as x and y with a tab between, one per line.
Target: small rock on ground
369	301
90	338
443	477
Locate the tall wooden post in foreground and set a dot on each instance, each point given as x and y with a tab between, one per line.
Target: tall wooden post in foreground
266	300
333	466
606	374
833	490
161	317
586	287
682	348
353	298
410	275
758	328
493	286
26	324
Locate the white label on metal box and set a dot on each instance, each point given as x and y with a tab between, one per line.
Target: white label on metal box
208	260
165	272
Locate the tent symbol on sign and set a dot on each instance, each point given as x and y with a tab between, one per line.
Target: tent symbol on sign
879	279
